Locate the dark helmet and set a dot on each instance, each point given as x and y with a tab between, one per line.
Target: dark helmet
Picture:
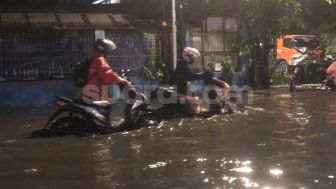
105	46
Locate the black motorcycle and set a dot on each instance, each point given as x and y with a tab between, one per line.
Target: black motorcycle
75	117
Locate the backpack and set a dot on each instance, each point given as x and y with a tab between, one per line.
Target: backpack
81	72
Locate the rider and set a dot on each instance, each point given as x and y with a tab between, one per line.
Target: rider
182	74
331	72
180	77
100	73
332	68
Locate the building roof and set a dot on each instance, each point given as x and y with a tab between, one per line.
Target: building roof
60	20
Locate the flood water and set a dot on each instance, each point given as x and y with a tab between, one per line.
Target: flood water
283	141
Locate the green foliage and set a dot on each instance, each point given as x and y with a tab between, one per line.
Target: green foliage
227	70
264	20
331	2
277	78
319	16
242	47
154	70
267	19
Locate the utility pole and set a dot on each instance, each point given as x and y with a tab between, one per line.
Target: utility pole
181	28
174	30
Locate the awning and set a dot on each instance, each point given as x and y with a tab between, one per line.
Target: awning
99	20
12	19
65	21
71	20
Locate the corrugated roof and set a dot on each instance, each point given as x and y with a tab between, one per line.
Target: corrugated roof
42	19
69	19
120	19
98	20
13	19
64	20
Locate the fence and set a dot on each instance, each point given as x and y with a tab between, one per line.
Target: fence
134	50
37	55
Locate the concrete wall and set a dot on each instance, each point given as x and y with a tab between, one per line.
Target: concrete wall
41	93
34	93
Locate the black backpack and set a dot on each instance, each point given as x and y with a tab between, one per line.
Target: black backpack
81	73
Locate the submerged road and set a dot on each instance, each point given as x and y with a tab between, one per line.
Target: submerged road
283	141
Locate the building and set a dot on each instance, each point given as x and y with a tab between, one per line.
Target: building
39	47
40	42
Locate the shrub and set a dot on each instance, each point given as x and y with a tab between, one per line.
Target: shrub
277	78
227	70
154	70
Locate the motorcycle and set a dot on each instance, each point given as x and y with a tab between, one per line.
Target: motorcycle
308	68
75	117
216	94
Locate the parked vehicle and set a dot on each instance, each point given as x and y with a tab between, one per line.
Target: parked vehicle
290	48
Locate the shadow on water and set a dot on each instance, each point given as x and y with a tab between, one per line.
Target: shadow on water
285	140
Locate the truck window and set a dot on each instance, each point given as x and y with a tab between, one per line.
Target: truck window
288	43
310	43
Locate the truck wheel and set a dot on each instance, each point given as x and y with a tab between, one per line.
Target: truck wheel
281	67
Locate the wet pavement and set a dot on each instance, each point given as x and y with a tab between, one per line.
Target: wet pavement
283	141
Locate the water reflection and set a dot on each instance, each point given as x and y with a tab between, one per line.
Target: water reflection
331	115
276	172
156	165
282	142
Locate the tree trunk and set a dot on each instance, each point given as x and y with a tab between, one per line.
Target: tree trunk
258	67
260	61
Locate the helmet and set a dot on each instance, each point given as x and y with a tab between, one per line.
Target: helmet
104	45
189	54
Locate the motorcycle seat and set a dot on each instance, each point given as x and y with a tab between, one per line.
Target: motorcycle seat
103	104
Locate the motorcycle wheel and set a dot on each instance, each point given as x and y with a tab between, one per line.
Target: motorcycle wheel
65	126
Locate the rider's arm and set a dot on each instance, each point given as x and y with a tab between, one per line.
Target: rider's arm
199	76
106	74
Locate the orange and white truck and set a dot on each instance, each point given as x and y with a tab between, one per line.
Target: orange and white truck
289	48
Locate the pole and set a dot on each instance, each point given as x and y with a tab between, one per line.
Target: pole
181	28
174	30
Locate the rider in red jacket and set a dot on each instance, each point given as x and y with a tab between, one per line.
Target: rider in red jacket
100	73
332	68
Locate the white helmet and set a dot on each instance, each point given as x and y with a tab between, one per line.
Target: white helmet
105	45
189	54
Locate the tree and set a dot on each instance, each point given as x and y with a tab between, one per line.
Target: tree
319	16
331	1
264	21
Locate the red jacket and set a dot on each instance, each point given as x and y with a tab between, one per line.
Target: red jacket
100	77
332	68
